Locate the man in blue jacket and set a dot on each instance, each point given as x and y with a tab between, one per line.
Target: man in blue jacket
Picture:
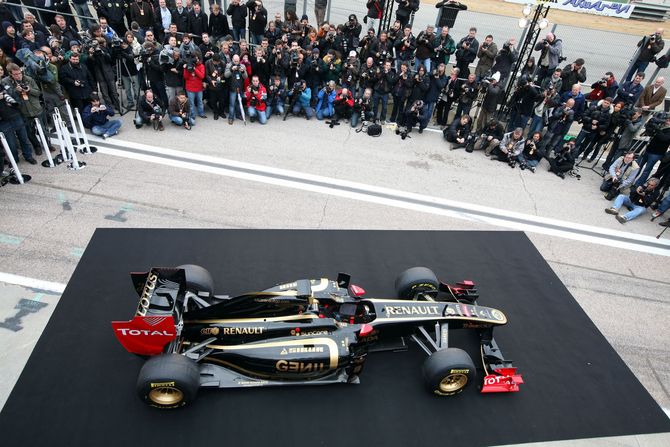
95	117
326	99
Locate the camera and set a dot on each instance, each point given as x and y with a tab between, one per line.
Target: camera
8	98
562	59
116	42
654	124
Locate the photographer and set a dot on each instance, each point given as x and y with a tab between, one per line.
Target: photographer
559	124
194	77
180	110
103	70
491	99
444	46
343	106
350	71
151	111
382	49
420	84
651	46
258	20
12	123
218	23
466	52
236	73
487	55
424	53
629	92
620	176
276	98
173	68
656	150
543	109
564	160
438	79
368	77
363	108
352	32
552	82
409	119
260	66
279	61
572	74
401	91
385	79
331	67
606	86
297	68
325	101
576	94
128	56
458	132
374	14
505	59
522	103
197	22
509	148
448	95
207	48
404	47
625	135
25	91
153	71
300	100
490	137
256	95
640	198
238	18
77	81
531	155
551	55
595	121
405	10
143	13
469	90
216	86
96	117
313	76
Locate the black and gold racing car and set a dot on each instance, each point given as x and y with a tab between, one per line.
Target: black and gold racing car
309	331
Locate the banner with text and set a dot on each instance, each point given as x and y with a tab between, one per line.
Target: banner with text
603	8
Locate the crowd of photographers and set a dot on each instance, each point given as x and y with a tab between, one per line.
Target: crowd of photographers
172	58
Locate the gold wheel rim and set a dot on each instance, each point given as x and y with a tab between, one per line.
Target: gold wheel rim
453	382
166	395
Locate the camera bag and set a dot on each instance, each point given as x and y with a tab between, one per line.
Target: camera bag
374	130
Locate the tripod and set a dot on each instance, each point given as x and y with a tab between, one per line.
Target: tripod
120	88
599	150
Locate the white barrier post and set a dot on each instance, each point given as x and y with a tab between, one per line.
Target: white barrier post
49	162
74	163
59	134
87	146
17	177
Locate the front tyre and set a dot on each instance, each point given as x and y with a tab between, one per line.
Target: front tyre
412	282
448	371
168	381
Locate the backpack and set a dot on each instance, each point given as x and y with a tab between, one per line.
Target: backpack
374	130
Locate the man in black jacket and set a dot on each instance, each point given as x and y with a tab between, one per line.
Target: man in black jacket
197	20
78	82
238	17
595	121
151	111
466	52
154	72
405	9
656	149
258	20
180	17
521	105
651	46
13	125
385	80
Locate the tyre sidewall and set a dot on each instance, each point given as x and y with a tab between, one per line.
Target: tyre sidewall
169	371
415	280
443	363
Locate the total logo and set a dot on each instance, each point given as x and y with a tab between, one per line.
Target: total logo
146	332
495	380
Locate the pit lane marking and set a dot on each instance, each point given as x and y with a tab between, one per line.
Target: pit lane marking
384	196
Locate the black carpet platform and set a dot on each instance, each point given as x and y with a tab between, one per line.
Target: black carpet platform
78	386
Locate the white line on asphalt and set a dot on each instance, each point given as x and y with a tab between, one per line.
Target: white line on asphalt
32	283
384	196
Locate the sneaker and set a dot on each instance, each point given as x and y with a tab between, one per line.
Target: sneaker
523	167
105	136
532	169
621	219
611	210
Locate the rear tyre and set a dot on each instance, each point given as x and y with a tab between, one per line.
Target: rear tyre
198	279
168	381
448	371
416	280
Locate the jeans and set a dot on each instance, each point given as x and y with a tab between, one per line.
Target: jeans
279	107
424	62
536	124
638	66
233	104
179	121
427	113
171	92
110	128
255	38
517	120
13	128
260	114
384	98
624	200
239	33
195	100
647	161
665	204
356	116
324	113
308	110
83	10
523	160
132	87
372	23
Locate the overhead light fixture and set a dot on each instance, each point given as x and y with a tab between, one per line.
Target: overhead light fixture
526	10
543	23
523	22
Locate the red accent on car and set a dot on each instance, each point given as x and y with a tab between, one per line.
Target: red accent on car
366	330
145	335
356	290
504	381
297	330
467	284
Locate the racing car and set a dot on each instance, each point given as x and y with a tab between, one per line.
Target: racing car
308	331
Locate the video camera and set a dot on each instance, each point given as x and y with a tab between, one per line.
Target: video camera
655	123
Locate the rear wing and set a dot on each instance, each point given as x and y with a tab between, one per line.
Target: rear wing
153	326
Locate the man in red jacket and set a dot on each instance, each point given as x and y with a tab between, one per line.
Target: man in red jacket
256	96
194	80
